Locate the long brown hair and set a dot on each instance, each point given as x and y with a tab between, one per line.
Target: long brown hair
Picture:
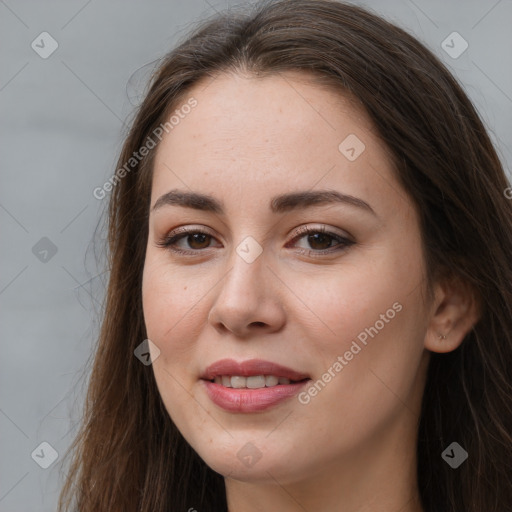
129	456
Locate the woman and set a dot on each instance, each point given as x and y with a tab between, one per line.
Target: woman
310	294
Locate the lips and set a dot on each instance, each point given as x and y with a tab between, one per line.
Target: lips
220	380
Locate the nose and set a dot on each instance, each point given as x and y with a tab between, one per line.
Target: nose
249	300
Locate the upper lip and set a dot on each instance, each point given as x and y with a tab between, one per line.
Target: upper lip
249	368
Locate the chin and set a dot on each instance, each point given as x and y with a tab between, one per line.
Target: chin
262	471
252	458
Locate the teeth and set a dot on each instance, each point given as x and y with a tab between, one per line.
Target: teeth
252	382
238	382
271	380
255	381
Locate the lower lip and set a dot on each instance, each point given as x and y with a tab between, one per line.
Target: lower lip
251	400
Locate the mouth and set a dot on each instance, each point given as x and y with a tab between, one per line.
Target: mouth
253	381
251	386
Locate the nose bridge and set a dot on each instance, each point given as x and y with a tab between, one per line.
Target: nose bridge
246	296
244	282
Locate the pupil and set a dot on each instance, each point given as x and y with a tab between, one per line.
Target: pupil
321	238
200	238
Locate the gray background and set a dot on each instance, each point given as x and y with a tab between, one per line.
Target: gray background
61	129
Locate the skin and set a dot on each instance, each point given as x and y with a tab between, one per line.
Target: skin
352	447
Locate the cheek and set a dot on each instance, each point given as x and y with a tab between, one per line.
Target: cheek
347	302
172	323
370	311
171	302
375	315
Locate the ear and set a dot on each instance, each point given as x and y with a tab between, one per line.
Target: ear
455	310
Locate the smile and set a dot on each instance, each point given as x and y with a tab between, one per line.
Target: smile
250	386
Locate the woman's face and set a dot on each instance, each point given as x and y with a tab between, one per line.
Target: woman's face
304	253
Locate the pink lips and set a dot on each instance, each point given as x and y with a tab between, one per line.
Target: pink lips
250	400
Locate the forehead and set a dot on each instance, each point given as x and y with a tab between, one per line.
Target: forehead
277	132
276	110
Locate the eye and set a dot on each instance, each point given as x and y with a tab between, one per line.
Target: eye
321	241
194	240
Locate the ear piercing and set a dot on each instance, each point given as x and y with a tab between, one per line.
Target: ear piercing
441	336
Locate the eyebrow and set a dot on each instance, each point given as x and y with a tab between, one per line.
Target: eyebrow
279	204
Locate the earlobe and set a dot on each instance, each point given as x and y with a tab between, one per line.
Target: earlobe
455	311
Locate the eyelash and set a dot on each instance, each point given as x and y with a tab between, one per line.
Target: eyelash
168	242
